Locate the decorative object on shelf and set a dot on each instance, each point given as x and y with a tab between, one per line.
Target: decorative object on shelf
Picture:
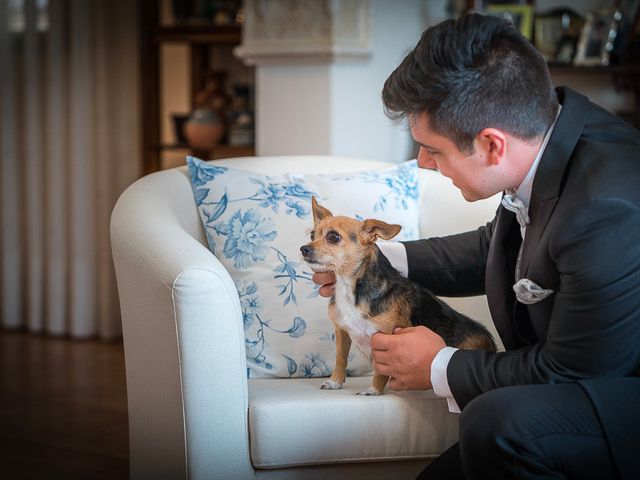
598	37
206	125
521	15
214	95
556	34
179	121
224	12
204	129
241	124
566	50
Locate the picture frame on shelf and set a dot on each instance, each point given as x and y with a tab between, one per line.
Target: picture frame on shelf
597	38
566	51
556	34
521	16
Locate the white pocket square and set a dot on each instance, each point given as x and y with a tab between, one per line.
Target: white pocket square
529	292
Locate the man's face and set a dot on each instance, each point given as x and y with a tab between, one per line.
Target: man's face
470	173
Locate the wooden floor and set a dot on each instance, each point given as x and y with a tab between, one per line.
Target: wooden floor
63	409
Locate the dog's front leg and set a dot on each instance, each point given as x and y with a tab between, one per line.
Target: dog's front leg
343	344
377	385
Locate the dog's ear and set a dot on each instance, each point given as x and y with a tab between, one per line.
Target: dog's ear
319	212
372	229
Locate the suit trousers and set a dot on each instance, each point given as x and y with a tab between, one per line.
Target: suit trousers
526	432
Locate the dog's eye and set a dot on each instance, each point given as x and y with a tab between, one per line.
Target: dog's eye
333	237
312	235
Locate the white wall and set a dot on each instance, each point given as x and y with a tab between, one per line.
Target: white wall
293	109
335	109
359	127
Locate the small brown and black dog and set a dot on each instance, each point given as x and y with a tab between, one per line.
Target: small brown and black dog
371	296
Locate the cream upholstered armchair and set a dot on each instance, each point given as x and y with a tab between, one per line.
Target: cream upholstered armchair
192	411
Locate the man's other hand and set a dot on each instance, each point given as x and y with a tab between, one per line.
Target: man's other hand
406	356
327	280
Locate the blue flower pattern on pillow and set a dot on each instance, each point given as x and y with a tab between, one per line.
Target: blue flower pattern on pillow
246	211
247	234
251	308
288	269
403	187
293	195
200	174
250	303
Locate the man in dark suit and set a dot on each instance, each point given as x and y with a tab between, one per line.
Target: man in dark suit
560	262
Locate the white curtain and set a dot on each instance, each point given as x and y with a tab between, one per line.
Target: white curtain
69	145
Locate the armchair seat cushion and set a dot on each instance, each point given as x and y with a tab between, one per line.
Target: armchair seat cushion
293	423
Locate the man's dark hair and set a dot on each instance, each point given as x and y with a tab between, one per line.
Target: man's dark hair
473	73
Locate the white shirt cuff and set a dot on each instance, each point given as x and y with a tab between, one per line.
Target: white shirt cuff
439	377
396	253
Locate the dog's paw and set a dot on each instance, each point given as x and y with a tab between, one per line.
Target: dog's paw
331	385
370	392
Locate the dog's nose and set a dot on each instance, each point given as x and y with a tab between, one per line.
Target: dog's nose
306	250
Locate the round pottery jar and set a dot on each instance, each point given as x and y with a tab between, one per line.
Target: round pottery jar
204	129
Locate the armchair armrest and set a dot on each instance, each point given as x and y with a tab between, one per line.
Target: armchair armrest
183	337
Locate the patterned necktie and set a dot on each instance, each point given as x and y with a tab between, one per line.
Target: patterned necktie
515	205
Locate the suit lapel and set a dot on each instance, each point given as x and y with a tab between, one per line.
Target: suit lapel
539	213
549	178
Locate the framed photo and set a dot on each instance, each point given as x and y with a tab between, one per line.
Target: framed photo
520	15
597	38
566	50
556	34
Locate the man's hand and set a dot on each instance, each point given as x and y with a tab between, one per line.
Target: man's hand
327	280
406	356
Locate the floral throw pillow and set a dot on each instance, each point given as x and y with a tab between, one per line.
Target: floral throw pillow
255	224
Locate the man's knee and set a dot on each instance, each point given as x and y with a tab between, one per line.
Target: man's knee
494	414
503	421
494	427
535	430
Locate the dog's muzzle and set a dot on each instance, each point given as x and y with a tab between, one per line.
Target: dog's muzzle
307	252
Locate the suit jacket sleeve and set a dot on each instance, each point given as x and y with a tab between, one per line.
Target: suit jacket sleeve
451	266
594	326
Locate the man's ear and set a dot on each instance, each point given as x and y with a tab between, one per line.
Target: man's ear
493	143
319	212
372	229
